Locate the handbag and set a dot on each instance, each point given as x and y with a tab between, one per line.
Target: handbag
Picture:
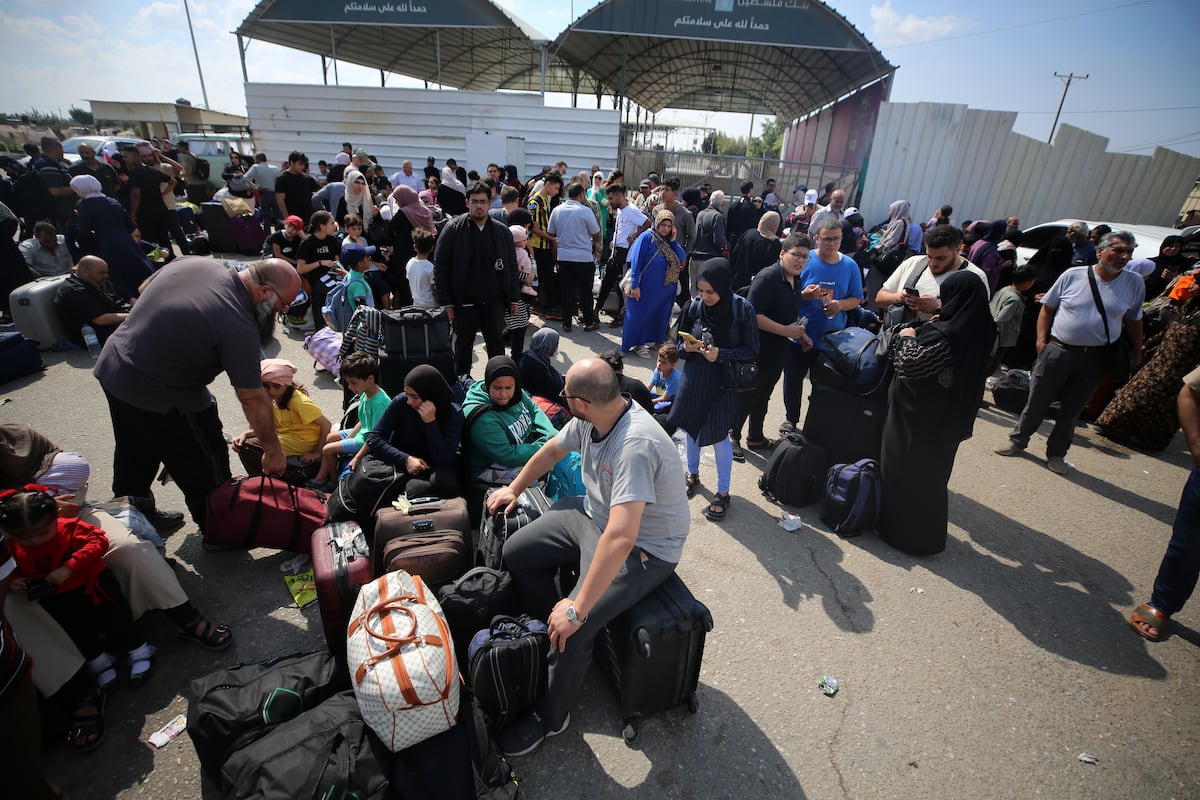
739	376
401	658
380	232
626	282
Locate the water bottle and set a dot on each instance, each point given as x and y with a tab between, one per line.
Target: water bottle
91	340
803	321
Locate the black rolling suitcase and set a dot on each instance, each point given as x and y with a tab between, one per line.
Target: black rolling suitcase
411	337
495	529
849	426
651	654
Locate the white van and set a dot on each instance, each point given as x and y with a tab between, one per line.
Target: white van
217	145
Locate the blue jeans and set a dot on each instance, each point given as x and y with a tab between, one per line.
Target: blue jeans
1181	565
723	450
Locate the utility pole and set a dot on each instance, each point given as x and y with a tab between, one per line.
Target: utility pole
196	50
1057	114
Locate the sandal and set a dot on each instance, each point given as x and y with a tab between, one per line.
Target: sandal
204	633
717	507
693	480
87	723
739	455
1151	617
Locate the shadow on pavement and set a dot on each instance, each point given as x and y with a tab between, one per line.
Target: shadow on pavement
803	565
720	752
1159	511
1061	600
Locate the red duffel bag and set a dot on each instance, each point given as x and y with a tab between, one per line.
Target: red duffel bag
263	511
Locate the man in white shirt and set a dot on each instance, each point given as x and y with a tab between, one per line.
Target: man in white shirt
577	233
837	202
46	253
406	177
630	224
261	178
940	260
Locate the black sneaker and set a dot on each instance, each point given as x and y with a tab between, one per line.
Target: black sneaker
527	735
165	522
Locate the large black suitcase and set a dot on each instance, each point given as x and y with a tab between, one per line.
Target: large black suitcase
651	654
795	472
393	369
849	426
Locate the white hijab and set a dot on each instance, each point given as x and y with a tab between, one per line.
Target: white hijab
358	201
451	180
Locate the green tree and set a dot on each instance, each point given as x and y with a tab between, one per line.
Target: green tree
82	116
729	146
769	141
709	145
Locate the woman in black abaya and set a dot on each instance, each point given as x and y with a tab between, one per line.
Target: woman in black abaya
940	370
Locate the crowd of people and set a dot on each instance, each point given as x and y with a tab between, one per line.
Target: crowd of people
706	285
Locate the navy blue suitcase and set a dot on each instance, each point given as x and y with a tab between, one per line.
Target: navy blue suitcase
18	357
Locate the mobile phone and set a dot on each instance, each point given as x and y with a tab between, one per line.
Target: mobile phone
687	337
911	292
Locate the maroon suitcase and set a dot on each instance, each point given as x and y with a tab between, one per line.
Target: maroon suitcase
430	540
341	564
263	511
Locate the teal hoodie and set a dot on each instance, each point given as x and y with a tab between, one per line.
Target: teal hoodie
508	436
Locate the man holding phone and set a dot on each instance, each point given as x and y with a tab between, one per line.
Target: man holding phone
941	259
840	281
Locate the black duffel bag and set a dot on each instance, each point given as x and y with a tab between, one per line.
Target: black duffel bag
371	486
471	602
230	708
795	472
328	752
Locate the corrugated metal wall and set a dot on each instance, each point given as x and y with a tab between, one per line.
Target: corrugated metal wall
399	124
935	153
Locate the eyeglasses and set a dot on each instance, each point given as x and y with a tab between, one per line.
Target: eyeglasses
478	202
564	396
830	240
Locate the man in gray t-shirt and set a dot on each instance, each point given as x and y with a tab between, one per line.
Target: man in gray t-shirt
626	535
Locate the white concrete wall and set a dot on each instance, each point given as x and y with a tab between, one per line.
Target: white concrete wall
934	153
399	124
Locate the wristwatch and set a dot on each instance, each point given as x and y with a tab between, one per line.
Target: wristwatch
573	617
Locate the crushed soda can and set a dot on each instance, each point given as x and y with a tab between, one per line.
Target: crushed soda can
828	684
166	733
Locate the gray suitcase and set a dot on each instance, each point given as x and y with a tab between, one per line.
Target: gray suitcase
34	313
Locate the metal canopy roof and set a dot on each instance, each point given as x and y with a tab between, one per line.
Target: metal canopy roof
783	57
482	46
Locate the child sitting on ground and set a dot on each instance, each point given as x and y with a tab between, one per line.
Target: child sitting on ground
300	424
664	383
419	270
60	564
361	373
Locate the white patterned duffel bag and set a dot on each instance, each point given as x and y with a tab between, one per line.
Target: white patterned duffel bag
401	656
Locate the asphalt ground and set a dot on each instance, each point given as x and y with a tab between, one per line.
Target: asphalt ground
982	672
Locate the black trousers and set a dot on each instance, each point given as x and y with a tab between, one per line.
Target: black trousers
470	320
614	268
84	620
575	281
754	405
191	446
548	292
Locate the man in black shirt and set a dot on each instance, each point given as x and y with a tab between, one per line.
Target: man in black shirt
88	164
475	277
637	391
146	204
54	176
430	170
294	188
742	215
87	298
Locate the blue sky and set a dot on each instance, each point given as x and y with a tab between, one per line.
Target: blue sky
1144	88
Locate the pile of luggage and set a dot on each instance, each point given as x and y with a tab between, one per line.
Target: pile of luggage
430	654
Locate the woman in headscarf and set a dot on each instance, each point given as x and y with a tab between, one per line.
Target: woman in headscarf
234	176
893	246
724	329
420	432
511	177
755	250
511	428
357	199
538	373
655	261
451	193
940	370
408	214
106	230
984	253
1168	264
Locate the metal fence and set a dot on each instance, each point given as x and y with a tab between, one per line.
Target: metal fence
728	172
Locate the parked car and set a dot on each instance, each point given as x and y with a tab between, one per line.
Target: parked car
1149	237
98	143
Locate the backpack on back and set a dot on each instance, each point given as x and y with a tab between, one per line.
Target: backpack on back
337	309
32	198
203	169
853	497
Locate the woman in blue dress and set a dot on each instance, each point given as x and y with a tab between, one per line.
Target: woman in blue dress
106	230
655	262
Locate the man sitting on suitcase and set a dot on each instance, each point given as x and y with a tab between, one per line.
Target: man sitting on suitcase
87	298
626	535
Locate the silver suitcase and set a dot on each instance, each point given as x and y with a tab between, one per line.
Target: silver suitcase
34	313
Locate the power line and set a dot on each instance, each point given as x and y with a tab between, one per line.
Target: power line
1158	144
956	37
1123	111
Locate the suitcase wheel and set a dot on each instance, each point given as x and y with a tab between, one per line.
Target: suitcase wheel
693	703
633	726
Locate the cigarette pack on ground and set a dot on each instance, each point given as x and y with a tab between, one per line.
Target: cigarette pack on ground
163	736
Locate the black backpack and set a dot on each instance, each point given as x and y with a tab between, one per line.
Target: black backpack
459	764
471	602
203	169
508	667
32	198
230	708
795	472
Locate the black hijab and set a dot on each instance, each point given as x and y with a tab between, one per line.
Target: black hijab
965	322
1051	261
718	318
502	367
430	385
